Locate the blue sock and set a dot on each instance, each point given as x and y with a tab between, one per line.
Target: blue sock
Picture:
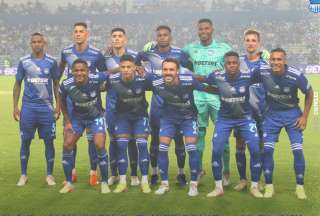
255	166
122	146
180	151
103	164
268	164
133	157
92	153
24	155
241	163
154	147
67	163
143	155
217	164
163	161
193	160
75	149
299	165
50	154
113	157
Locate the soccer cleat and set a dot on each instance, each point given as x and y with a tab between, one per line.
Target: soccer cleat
300	192
226	180
120	188
260	186
269	191
50	180
145	188
163	188
241	186
67	188
181	180
154	179
193	189
105	188
22	180
134	181
113	179
255	192
93	179
216	192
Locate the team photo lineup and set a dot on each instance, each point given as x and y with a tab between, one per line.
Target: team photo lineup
250	96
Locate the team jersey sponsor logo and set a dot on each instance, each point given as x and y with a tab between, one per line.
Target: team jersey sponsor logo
86	104
38	80
234	99
204	63
314	6
210	52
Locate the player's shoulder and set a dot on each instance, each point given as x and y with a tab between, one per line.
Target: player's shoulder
94	50
264	66
114	76
132	53
221	45
186	79
157	81
68	81
25	58
50	58
68	49
294	71
175	49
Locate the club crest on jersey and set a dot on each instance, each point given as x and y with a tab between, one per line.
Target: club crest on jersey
242	89
185	96
210	52
138	91
46	71
233	90
314	6
92	94
129	91
286	89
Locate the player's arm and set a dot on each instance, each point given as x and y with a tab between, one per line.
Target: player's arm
185	61
17	90
63	103
206	88
62	67
56	97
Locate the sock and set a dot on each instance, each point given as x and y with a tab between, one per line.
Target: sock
143	155
226	159
24	155
268	164
219	184
154	147
154	170
123	179
255	161
216	165
122	146
241	163
67	163
180	150
93	157
50	154
299	165
200	145
103	164
163	161
133	157
254	184
144	179
113	157
193	160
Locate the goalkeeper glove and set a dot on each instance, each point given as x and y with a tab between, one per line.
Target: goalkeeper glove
148	46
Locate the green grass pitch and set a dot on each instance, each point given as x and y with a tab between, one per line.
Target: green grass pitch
36	198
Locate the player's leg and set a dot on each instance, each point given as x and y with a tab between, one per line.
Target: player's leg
296	140
123	133
271	127
248	129
98	129
74	173
167	132
220	138
141	132
181	157
241	160
133	159
93	158
27	129
190	132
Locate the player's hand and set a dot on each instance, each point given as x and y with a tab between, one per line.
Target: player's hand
109	51
301	123
16	114
57	113
265	55
148	46
140	70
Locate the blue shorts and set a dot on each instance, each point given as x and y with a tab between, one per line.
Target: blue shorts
170	127
155	112
259	122
274	121
110	120
137	126
94	126
41	119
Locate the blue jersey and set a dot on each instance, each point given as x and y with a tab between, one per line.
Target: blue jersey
91	55
130	96
178	101
257	98
37	75
282	91
234	93
85	99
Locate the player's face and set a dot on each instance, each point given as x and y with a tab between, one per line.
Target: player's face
163	38
80	73
205	31
232	65
127	69
37	44
80	34
251	43
118	39
278	61
169	72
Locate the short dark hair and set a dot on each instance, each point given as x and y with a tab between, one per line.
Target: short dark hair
118	30
127	57
205	20
83	24
80	61
163	27
36	34
231	53
252	32
278	49
173	60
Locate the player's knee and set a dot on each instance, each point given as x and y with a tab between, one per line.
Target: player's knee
123	136
165	140
191	140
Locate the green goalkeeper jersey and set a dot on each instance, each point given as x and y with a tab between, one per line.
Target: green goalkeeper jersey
206	59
